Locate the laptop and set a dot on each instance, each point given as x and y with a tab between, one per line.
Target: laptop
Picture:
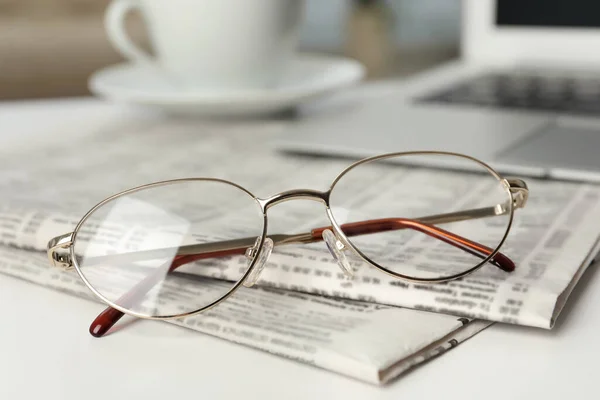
524	97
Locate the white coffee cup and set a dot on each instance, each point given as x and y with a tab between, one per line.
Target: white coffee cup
212	44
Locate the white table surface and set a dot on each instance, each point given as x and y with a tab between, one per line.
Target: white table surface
46	352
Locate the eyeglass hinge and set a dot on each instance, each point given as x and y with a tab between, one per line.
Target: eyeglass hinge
58	251
519	191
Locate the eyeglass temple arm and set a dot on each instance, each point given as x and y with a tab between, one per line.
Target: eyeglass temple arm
390	224
239	246
110	316
186	254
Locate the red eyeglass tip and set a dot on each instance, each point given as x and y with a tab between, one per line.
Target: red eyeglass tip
103	322
505	263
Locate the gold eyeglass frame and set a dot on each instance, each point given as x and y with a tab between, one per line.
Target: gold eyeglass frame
61	249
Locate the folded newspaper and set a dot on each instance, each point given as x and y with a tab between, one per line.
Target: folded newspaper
365	341
359	328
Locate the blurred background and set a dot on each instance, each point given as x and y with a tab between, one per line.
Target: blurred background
48	48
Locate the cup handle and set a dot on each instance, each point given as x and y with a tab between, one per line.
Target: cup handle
114	18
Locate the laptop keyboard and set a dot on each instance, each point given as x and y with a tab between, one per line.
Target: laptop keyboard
570	95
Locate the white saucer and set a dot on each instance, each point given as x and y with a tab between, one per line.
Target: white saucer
309	77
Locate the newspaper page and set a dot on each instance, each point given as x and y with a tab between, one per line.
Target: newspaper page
552	240
366	341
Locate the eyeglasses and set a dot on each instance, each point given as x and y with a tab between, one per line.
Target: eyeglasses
137	250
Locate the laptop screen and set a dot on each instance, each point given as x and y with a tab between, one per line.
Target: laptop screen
548	13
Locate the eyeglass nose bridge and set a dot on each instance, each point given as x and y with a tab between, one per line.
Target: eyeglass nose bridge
333	243
296	194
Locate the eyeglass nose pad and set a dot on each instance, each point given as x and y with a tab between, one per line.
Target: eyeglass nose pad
336	248
260	263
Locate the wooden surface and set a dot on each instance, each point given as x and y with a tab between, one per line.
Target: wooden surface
48	48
